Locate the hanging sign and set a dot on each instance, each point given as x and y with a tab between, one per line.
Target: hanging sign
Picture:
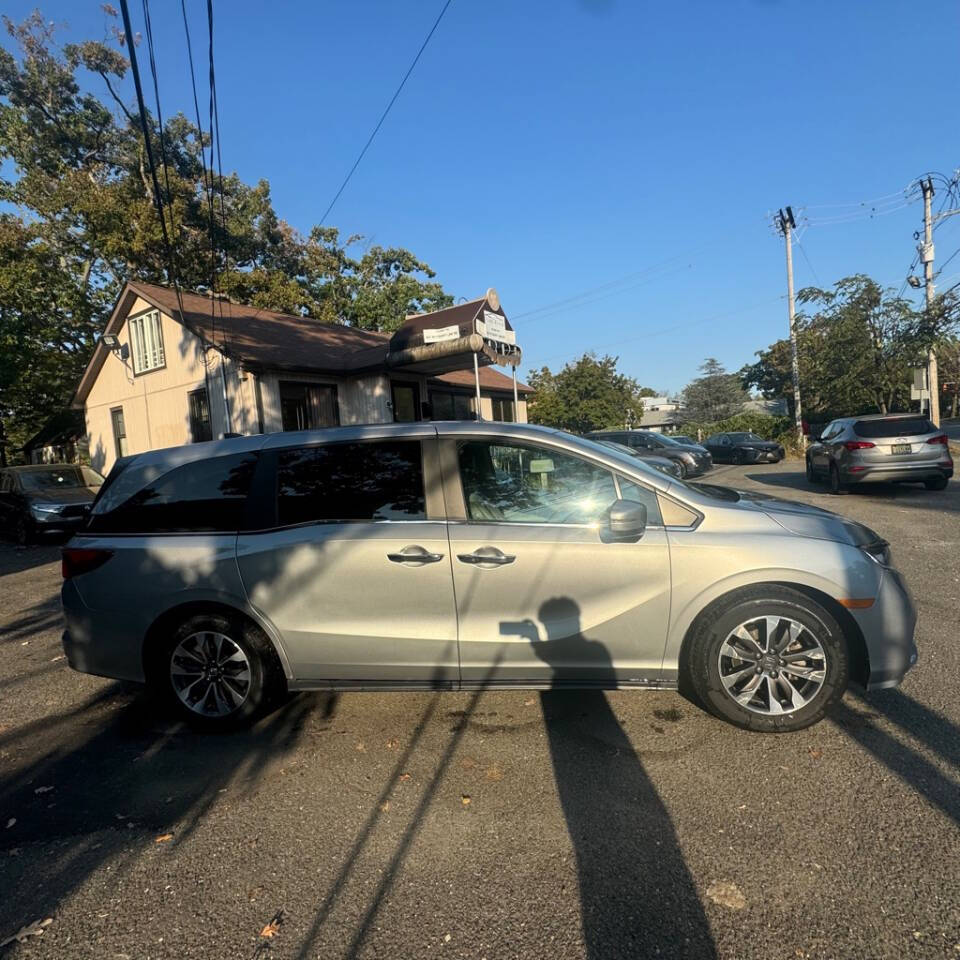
496	328
441	334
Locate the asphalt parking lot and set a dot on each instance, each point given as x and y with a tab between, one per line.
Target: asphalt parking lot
500	825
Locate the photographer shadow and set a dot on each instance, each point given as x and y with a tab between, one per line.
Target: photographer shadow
637	895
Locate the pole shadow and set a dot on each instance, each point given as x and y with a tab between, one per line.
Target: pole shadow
637	895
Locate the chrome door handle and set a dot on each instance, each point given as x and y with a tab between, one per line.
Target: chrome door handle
485	555
414	555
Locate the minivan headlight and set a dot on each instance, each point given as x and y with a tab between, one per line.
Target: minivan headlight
42	510
879	552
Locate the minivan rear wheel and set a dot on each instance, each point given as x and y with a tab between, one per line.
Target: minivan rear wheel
768	658
936	483
216	672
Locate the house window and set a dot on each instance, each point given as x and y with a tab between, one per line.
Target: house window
503	410
119	431
406	402
199	405
146	342
451	406
308	406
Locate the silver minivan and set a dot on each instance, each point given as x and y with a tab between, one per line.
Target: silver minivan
886	448
470	555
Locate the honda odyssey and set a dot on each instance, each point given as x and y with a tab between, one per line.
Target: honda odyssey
460	556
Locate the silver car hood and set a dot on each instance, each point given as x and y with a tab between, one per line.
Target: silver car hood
807	521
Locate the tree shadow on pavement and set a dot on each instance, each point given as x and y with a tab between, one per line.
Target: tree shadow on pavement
936	733
637	895
110	763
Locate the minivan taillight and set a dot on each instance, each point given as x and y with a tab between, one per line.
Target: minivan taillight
942	439
77	560
858	444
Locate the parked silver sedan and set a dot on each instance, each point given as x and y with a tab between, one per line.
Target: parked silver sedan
465	556
880	448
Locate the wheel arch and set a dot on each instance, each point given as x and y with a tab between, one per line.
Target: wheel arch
859	657
170	619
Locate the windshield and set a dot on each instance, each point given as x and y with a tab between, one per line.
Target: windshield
744	437
60	478
669	441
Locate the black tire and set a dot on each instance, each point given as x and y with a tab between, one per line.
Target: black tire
736	457
23	532
683	469
702	655
936	483
836	486
266	677
811	473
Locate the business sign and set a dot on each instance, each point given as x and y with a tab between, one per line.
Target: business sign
495	328
441	334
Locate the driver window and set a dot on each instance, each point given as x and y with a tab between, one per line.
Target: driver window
514	483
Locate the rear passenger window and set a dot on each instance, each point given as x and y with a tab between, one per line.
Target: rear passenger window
206	496
351	481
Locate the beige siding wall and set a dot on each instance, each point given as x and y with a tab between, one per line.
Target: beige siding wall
154	404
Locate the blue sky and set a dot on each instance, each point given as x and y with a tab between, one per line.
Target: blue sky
548	149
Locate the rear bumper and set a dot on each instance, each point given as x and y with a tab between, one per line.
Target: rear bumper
888	630
108	647
897	472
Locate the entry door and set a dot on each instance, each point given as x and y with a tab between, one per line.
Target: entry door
354	575
540	597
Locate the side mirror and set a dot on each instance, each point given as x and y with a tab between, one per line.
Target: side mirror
626	521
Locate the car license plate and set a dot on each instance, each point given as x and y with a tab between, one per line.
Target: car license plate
900	448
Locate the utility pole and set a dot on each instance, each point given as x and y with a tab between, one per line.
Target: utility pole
926	256
785	224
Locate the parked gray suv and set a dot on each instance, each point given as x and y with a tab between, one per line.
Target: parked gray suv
692	459
880	448
458	556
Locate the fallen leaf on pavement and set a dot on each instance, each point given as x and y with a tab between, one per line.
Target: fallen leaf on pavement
404	777
816	754
385	806
34	929
465	800
361	747
393	743
494	773
273	927
55	659
11	822
43	789
163	838
529	702
727	894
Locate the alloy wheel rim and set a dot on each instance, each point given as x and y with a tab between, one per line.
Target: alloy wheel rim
210	674
772	665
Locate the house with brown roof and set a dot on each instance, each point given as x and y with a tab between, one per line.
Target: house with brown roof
174	368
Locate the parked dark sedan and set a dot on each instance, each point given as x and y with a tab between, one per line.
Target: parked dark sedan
47	498
743	448
692	459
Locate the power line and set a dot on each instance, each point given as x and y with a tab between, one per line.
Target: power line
674	327
144	126
207	178
383	116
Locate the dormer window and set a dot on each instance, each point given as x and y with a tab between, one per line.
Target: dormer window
146	342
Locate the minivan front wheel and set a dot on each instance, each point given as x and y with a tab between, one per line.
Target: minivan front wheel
769	659
217	672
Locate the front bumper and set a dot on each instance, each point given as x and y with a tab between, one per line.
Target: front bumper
55	523
888	630
762	456
701	465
